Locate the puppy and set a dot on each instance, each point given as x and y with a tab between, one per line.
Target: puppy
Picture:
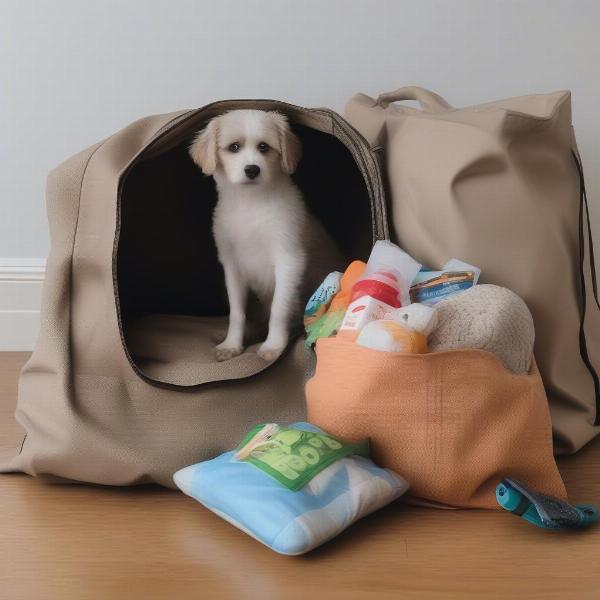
267	241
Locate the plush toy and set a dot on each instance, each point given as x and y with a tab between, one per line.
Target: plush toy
487	317
405	330
292	488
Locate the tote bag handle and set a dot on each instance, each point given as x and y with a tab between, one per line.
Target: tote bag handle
428	100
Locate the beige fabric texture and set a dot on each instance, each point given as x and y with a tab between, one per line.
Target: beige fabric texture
112	405
486	317
497	185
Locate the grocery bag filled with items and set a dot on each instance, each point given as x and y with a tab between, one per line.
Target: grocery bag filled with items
438	372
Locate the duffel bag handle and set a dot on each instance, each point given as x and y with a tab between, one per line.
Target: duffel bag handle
428	100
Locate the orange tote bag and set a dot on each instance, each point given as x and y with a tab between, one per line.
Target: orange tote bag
452	423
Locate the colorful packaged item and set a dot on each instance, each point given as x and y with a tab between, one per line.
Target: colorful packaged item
383	287
429	287
318	303
293	456
328	323
338	487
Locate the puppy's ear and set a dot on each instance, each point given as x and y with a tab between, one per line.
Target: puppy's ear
289	144
204	147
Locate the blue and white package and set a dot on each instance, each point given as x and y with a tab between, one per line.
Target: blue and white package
430	287
323	294
290	522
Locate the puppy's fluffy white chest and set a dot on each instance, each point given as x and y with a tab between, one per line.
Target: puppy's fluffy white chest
255	227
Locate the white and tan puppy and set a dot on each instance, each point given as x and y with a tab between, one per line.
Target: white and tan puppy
266	240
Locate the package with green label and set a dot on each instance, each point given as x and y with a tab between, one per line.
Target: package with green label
292	456
292	488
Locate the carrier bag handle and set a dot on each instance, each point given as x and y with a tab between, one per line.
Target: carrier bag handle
429	100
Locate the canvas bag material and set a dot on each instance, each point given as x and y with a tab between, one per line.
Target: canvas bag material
90	414
452	423
500	186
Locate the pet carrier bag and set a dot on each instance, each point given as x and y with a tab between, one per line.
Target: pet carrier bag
500	186
122	387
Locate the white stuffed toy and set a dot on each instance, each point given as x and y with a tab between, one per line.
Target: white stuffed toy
405	329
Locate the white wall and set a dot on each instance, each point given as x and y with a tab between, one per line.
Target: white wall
74	71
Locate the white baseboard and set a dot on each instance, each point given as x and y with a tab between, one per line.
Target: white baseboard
20	295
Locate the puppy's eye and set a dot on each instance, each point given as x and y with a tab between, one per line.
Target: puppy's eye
233	147
263	147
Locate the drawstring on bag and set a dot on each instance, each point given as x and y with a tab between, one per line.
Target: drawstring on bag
583	205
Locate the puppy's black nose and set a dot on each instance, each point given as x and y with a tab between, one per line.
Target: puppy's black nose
252	171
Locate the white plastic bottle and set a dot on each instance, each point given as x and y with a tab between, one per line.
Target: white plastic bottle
383	286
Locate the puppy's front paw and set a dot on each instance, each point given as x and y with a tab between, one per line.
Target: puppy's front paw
225	352
270	353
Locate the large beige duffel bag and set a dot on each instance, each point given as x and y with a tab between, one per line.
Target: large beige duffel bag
122	386
500	185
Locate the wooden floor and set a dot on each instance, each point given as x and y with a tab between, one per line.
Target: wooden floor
83	542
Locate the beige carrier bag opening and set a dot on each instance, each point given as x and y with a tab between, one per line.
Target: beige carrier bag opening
123	386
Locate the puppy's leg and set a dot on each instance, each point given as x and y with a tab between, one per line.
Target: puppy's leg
237	291
288	272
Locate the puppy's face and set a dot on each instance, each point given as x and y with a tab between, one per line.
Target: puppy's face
247	147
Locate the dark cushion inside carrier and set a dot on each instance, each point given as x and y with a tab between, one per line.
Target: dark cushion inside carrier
166	256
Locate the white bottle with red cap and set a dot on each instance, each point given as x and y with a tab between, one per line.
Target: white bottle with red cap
383	287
